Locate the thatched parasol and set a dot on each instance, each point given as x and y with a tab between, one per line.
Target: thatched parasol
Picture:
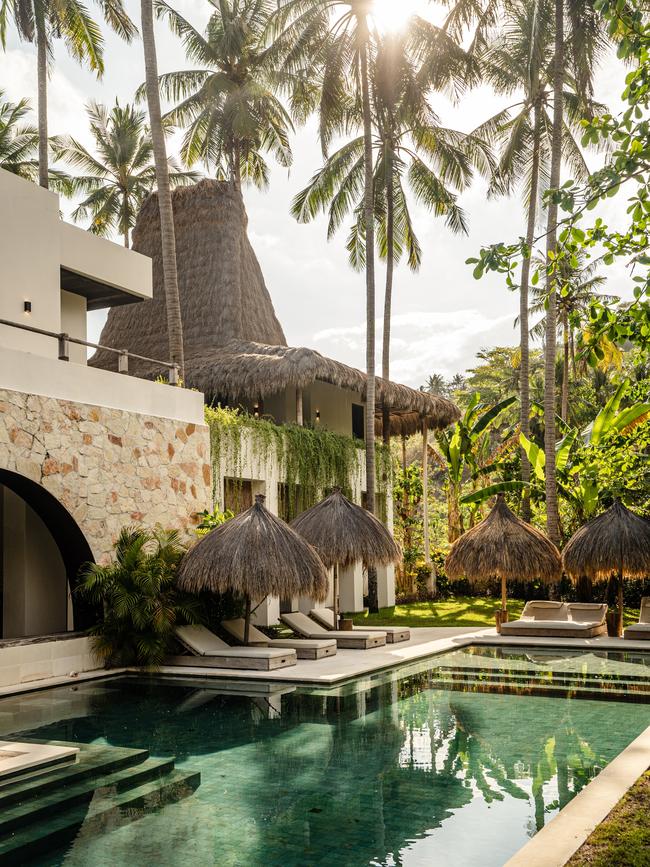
503	546
235	348
256	555
615	543
344	533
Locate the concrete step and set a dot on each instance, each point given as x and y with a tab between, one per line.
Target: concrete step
107	810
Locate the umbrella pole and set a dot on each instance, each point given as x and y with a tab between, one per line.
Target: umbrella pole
504	594
619	613
247	620
335	593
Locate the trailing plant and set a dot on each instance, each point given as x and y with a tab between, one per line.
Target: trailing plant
311	462
211	519
138	593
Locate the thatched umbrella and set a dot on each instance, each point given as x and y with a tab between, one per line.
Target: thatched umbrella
503	546
344	533
615	543
256	555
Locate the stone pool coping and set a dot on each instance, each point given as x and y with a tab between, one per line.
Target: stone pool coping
349	664
558	841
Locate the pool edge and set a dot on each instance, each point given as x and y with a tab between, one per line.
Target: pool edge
558	841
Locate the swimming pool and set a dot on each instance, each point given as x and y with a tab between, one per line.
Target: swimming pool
454	760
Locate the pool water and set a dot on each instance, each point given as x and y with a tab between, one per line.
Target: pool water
390	770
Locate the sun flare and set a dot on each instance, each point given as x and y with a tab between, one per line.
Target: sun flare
393	15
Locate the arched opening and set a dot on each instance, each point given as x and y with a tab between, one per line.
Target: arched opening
41	551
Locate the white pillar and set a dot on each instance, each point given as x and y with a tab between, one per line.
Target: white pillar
268	612
351	588
386	586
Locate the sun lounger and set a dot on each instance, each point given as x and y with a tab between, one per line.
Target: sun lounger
641	630
546	619
308	628
211	652
325	616
305	649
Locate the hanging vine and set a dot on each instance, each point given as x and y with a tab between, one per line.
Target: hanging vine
311	462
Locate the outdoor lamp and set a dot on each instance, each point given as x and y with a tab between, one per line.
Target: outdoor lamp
27	306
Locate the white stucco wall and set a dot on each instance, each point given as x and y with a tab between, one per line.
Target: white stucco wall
34	585
33	374
34	245
73	322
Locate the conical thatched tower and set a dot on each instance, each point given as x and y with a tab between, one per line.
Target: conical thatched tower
223	296
235	348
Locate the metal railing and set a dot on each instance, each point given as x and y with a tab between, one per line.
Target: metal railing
123	355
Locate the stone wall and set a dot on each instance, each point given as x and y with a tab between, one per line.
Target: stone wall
109	468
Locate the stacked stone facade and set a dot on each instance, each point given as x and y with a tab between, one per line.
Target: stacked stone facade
109	468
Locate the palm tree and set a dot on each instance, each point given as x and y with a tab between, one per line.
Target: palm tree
329	41
43	21
229	106
165	210
411	149
121	175
587	38
521	57
578	287
19	144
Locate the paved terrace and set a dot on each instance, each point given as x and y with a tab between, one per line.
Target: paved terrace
348	664
423	642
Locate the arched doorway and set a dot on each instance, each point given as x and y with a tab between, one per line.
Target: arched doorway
41	550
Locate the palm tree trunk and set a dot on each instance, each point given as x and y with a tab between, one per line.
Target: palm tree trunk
388	296
369	216
552	514
41	61
565	366
167	233
126	238
524	337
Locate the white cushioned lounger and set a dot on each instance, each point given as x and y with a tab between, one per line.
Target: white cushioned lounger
641	630
304	647
210	651
305	626
543	618
325	616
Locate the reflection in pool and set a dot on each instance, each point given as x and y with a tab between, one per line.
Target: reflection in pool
383	771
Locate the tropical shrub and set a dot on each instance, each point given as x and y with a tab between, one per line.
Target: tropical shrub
210	520
138	593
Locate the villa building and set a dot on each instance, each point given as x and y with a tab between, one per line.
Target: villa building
89	447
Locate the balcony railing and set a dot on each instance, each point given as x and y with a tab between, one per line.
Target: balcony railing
123	355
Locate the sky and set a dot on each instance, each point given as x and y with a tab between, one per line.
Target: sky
441	316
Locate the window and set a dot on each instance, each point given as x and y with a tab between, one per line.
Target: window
358	427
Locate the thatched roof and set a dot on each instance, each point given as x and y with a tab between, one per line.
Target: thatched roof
235	348
616	541
255	555
344	533
503	546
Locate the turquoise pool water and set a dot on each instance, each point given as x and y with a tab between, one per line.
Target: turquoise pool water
444	762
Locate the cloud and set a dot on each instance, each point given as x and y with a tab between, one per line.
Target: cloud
424	341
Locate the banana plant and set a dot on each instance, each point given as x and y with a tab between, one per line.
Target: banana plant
576	458
466	452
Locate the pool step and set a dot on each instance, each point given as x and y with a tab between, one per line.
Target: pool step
91	762
109	787
559	684
34	808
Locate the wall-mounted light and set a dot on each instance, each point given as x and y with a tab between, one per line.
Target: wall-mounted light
317	416
27	306
256	411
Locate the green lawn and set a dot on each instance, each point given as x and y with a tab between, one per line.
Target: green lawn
456	611
623	839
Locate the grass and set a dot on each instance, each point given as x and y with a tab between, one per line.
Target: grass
623	838
455	611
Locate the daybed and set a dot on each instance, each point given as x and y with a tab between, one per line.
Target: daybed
546	619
